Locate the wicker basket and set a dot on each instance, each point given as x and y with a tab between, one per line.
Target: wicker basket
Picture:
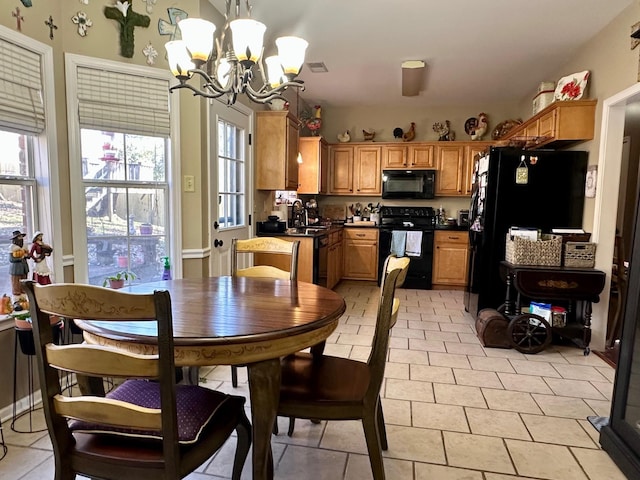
579	254
545	252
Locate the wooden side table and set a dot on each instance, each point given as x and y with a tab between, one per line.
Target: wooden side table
577	288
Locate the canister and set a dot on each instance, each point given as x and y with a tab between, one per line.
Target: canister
558	317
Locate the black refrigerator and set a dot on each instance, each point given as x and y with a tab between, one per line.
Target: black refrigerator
540	189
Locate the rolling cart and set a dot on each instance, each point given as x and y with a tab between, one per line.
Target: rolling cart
575	289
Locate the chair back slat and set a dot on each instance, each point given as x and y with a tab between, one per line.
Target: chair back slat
266	245
98	361
106	411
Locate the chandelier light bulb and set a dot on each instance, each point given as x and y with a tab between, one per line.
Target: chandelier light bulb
198	37
274	71
247	36
179	59
291	51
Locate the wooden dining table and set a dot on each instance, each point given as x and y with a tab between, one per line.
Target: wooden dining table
235	321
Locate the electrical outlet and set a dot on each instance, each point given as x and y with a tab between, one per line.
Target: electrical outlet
189	183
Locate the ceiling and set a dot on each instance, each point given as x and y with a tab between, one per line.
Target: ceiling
476	52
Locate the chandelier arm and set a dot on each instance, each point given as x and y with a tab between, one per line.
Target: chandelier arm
276	92
196	91
209	82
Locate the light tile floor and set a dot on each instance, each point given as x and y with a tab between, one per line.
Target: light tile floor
454	410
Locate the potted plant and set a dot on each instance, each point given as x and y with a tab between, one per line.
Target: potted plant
117	280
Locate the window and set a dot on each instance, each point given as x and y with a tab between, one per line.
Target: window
121	161
18	206
231	181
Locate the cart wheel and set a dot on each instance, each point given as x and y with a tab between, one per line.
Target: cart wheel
529	333
587	351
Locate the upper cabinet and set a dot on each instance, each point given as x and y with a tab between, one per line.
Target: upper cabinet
313	172
558	125
355	169
276	150
455	162
415	156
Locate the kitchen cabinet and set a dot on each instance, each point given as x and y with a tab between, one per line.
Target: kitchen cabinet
334	258
355	170
360	253
276	147
450	259
313	172
455	167
558	125
415	156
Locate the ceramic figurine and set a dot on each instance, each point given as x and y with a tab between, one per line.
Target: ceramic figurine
444	132
344	137
18	266
409	134
369	136
476	127
39	253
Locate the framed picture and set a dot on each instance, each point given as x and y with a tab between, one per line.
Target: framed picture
590	183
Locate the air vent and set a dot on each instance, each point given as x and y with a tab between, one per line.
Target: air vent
317	67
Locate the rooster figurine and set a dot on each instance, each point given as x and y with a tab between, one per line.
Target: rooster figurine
409	134
368	136
476	127
314	123
344	137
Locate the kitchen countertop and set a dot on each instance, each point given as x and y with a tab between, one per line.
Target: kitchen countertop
303	232
458	228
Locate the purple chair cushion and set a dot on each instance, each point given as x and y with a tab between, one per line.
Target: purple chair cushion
196	406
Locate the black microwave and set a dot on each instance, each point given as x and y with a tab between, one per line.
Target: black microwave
408	183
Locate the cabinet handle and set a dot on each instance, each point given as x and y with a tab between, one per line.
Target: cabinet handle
454	238
359	234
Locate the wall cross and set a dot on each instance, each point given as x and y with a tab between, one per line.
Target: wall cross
123	13
19	18
49	23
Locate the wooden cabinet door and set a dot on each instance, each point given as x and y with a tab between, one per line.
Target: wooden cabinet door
420	156
532	130
450	170
367	174
450	258
313	171
341	170
292	154
360	254
394	156
547	124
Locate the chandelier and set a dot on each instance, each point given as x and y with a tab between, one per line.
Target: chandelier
230	71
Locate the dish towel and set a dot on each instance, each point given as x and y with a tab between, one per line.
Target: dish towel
414	244
398	242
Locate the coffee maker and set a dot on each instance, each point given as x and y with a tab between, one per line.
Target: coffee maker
463	218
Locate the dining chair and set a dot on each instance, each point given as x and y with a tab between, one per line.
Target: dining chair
335	388
392	262
147	428
266	245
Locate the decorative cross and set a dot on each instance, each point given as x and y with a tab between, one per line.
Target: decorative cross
171	27
635	41
128	20
49	23
19	18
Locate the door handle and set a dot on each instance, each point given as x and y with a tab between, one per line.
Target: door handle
218	243
216	225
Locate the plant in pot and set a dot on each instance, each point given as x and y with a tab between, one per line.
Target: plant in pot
117	280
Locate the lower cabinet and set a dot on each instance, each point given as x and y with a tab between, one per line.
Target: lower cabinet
450	259
334	259
360	253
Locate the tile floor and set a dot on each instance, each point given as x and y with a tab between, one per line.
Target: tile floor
454	410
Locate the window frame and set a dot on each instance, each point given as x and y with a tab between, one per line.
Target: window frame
173	229
45	159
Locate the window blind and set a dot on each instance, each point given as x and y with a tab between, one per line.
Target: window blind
21	100
123	102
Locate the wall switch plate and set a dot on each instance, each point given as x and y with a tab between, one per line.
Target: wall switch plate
188	183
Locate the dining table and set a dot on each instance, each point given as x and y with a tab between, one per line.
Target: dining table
234	321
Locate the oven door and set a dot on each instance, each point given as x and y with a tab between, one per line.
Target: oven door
420	268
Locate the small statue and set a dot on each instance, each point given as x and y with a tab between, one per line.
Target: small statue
368	136
477	127
398	132
39	253
444	132
18	266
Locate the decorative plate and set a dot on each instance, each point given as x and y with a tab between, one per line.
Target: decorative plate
572	86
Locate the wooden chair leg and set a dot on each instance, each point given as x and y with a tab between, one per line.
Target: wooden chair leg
382	428
234	376
243	431
370	424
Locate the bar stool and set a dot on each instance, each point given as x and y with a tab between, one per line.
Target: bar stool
24	339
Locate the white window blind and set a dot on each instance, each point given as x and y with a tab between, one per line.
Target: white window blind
21	101
123	102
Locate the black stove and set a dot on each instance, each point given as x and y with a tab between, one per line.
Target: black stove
396	223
